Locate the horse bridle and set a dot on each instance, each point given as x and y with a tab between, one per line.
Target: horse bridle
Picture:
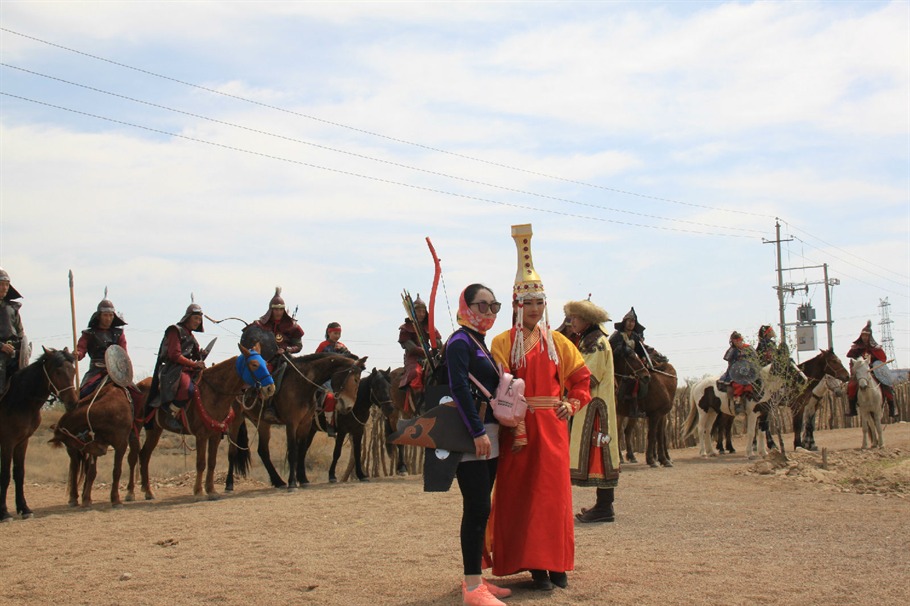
53	387
636	374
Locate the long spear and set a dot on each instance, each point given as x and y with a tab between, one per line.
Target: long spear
75	338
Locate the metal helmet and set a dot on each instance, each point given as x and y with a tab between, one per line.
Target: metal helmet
277	302
194	309
106	305
418	302
12	293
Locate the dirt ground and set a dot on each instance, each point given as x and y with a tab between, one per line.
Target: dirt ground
708	531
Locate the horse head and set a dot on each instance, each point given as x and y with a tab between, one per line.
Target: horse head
862	372
833	365
345	383
632	367
60	370
380	390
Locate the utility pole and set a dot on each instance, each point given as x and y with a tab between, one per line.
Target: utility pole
780	279
829	322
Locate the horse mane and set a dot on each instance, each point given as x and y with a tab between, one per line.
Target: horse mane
313	357
28	381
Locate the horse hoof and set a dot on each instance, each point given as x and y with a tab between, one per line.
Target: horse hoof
228	489
130	498
364	479
667	464
73	503
655	465
116	505
213	496
149	496
633	460
26	515
6	519
333	480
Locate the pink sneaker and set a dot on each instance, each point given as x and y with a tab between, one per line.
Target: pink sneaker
479	597
498	592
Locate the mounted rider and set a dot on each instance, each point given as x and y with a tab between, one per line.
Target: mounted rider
179	361
325	400
288	335
742	371
14	348
412	339
105	328
629	340
878	360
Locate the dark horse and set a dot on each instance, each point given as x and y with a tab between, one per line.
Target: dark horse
207	416
803	406
20	415
657	404
295	406
373	391
101	419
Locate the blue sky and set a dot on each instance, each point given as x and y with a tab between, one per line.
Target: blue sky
222	149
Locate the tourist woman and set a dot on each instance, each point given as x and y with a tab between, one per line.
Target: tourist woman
466	354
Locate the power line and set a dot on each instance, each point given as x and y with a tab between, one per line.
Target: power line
373	159
840	249
369	178
379	135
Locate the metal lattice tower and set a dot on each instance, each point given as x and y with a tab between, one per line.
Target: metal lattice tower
885	324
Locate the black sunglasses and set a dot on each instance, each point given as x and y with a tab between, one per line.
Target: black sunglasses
483	307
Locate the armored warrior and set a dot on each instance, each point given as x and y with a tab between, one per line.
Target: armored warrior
179	359
628	339
13	344
411	337
105	328
325	400
288	335
878	360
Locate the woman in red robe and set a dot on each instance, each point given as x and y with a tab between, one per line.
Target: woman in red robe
532	523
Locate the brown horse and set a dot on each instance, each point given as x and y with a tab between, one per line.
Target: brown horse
20	415
294	406
803	406
207	416
657	404
100	420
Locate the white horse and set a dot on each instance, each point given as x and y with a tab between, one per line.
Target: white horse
868	403
707	404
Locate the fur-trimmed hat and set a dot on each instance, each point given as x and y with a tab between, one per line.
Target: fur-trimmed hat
587	311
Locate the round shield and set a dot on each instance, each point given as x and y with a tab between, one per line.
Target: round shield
25	352
883	374
119	366
743	371
253	334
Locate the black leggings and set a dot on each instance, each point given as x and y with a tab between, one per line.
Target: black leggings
475	479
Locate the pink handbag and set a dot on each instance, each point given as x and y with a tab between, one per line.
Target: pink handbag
509	405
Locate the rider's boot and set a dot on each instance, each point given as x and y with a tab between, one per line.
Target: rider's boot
852	403
330	424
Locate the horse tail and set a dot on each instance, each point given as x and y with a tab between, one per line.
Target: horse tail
242	458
